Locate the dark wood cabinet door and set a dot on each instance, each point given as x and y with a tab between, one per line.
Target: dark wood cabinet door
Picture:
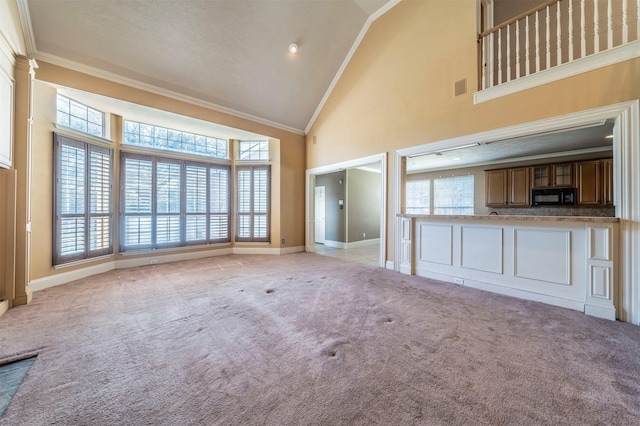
588	182
519	193
496	188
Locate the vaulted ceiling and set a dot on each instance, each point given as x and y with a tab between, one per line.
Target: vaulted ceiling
231	55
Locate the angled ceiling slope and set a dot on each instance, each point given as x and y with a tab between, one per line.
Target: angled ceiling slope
231	56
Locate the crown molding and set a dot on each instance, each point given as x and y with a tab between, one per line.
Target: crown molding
27	28
384	9
137	84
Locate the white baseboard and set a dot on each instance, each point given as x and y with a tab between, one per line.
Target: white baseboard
364	243
335	244
576	305
355	244
390	265
66	277
174	257
150	259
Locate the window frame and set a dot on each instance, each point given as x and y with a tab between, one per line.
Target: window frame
57	257
252	213
183	213
260	151
155	146
87	121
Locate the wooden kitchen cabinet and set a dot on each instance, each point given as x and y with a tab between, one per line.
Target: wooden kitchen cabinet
508	187
588	183
563	175
496	188
607	181
519	188
541	177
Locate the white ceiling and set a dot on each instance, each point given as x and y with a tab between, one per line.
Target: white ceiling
231	54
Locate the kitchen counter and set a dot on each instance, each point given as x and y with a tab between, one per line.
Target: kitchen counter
591	219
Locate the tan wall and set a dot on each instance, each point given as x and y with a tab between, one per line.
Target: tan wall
287	159
397	90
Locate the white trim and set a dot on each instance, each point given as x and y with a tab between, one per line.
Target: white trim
136	84
27	27
310	180
384	9
579	66
390	265
66	277
363	243
506	291
626	159
335	244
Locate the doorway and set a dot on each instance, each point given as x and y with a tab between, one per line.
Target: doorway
351	233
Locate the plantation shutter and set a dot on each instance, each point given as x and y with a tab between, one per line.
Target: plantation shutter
196	203
137	201
253	184
219	204
82	200
168	188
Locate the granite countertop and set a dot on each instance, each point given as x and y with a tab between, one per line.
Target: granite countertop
519	217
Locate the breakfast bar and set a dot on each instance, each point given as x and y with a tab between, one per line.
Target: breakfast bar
565	261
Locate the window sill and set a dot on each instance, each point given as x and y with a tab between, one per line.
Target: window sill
173	249
67	131
83	261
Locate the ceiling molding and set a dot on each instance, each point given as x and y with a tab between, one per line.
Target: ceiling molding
136	84
384	9
27	28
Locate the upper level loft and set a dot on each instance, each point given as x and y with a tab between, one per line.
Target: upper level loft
554	40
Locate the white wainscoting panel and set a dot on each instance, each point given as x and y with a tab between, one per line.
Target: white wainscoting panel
599	242
436	243
543	255
600	282
481	248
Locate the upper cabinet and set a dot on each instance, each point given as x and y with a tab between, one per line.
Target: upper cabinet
552	176
508	187
592	179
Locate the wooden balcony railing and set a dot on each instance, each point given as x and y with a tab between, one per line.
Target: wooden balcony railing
555	33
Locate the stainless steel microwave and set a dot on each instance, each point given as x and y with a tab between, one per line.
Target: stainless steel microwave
553	197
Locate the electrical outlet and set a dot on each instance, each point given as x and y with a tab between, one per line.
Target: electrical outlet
283	241
364	235
153	261
458	280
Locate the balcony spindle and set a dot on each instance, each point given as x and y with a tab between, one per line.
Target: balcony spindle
559	35
508	46
548	39
537	42
625	22
491	60
500	56
570	31
517	49
583	31
609	25
527	53
596	27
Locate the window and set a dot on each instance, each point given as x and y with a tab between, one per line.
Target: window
453	195
82	200
253	150
253	197
172	203
79	117
418	196
161	138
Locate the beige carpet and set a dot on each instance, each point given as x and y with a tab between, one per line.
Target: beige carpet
310	340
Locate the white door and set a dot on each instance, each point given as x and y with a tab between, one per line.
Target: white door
320	214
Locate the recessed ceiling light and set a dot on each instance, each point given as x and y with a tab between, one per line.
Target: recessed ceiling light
609	136
456	159
293	48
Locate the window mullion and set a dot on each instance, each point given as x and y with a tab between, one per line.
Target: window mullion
183	203
154	202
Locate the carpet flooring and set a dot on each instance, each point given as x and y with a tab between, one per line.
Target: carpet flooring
304	339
